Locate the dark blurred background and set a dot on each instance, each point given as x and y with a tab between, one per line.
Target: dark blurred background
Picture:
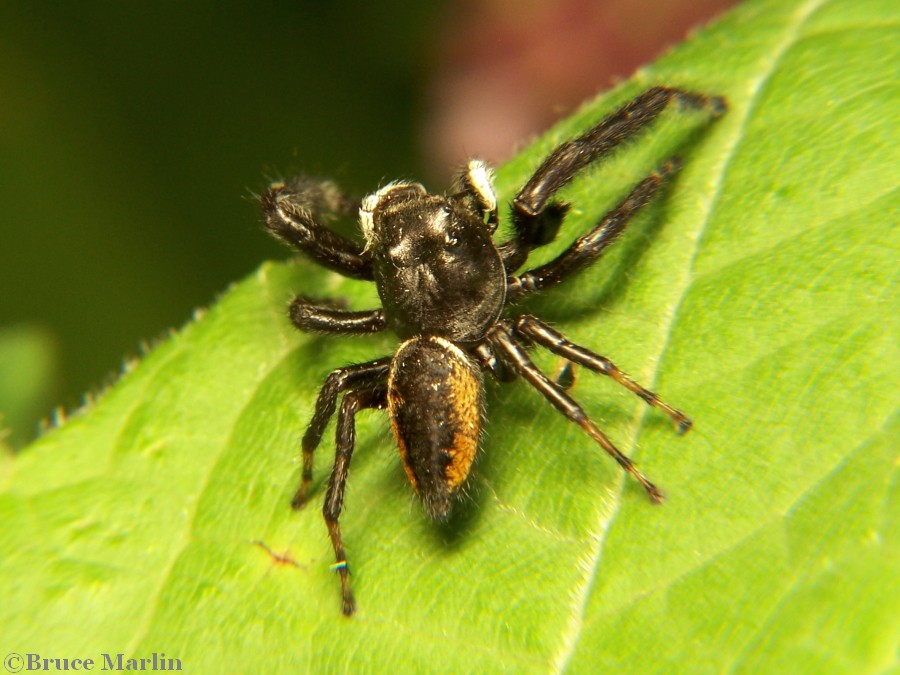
132	136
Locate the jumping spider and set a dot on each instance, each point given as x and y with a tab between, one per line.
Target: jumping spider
444	285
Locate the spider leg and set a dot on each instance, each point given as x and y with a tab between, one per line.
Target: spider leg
542	334
512	352
532	233
352	403
535	217
488	361
572	156
587	248
313	317
292	212
342	379
503	372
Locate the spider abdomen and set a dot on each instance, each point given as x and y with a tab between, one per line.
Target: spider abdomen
435	399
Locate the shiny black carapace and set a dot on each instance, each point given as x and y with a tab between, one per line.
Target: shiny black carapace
444	285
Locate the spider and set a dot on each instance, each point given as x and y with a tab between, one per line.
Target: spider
444	285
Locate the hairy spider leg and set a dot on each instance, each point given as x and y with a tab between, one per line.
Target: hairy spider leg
352	403
313	317
503	372
498	368
542	334
291	210
587	248
535	217
340	380
511	351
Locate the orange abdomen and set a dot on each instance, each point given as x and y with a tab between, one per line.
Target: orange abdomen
435	400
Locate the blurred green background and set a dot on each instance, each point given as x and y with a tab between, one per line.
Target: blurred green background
132	136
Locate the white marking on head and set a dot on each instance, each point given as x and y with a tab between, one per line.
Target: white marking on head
370	203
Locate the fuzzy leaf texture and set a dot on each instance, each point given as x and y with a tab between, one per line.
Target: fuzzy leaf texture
758	295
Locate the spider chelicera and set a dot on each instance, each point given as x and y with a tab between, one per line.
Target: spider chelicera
444	285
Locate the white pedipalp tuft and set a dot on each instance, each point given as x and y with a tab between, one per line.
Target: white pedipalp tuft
480	177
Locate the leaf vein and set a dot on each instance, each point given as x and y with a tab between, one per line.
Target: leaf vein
779	517
792	29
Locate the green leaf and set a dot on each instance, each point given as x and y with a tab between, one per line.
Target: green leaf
757	295
27	360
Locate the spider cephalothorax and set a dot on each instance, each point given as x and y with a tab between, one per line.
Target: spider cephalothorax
444	285
435	265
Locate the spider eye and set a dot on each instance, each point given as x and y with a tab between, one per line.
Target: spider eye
444	221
